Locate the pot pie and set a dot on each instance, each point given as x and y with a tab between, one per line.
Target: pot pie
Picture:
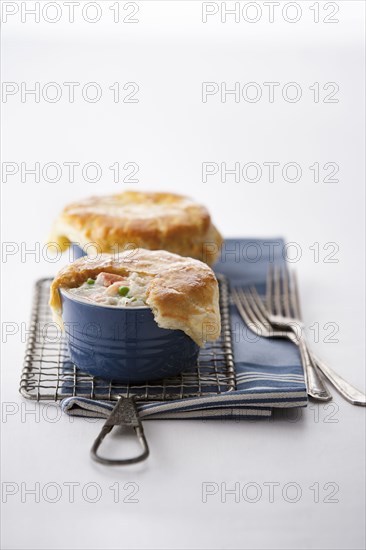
181	292
155	221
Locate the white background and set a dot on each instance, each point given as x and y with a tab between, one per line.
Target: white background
169	133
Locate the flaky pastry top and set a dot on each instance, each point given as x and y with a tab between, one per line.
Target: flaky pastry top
155	221
182	292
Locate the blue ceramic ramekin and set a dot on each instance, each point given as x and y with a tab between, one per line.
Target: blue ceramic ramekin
123	344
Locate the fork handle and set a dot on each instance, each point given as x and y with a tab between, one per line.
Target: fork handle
349	392
315	385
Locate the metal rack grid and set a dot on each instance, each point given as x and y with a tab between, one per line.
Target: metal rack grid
48	373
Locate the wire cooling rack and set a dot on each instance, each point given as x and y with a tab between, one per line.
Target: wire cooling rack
49	374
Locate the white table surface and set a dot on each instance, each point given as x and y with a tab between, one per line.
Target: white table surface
169	133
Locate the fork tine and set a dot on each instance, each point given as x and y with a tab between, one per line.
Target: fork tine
286	292
258	304
256	311
249	309
246	311
269	290
295	297
243	311
277	291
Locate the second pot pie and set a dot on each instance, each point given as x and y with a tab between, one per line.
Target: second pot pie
154	221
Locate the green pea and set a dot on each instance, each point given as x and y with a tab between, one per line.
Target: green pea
90	281
123	290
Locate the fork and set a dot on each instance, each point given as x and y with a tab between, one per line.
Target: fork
256	317
291	292
283	310
274	298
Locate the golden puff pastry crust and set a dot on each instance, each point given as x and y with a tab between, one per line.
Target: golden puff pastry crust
132	219
182	292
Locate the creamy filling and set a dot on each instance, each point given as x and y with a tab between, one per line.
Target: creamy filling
113	290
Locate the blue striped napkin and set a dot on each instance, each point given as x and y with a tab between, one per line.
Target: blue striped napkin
268	372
